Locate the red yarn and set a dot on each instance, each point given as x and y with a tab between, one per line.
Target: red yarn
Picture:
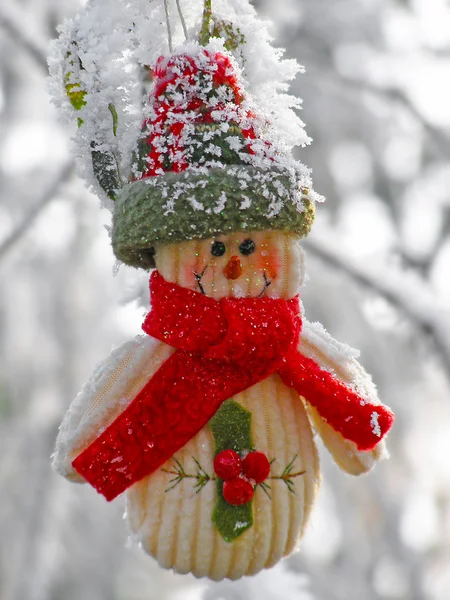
175	104
223	348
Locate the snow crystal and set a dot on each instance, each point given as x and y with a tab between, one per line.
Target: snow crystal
246	202
195	204
234	142
376	429
213	149
221	203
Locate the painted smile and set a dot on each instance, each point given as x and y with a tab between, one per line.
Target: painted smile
267	283
198	278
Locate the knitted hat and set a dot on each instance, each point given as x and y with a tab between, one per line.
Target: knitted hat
203	170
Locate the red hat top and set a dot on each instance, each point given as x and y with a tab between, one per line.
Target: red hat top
197	116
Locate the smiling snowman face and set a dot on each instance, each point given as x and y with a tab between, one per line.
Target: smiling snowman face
241	265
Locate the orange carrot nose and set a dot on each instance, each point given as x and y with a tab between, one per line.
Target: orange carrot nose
233	268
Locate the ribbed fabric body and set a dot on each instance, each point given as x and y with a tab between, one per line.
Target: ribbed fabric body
175	526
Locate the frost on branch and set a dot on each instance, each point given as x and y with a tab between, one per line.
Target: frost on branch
103	69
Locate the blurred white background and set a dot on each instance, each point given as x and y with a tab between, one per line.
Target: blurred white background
377	103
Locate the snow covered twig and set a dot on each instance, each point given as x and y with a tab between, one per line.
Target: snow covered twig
440	140
22	39
329	75
47	196
405	290
169	30
207	14
183	22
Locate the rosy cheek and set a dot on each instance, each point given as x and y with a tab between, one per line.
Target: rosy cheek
190	268
197	266
270	262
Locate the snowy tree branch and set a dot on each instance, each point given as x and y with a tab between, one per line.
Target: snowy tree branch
207	14
47	196
437	137
169	30
183	22
440	140
405	290
18	34
329	75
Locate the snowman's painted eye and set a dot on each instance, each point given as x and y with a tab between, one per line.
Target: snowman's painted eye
247	247
218	249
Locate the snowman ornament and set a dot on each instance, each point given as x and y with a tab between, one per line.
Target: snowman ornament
206	421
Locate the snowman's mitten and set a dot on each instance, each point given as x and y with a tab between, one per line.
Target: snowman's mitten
316	343
113	385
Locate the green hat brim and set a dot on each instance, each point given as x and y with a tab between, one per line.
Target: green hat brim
176	207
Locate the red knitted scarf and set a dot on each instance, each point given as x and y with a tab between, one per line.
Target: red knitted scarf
222	348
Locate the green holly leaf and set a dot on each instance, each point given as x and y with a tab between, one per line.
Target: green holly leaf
105	171
231	428
231	521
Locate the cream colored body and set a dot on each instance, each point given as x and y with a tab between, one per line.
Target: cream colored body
175	526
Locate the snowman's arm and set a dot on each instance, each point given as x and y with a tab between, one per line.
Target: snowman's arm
332	356
113	385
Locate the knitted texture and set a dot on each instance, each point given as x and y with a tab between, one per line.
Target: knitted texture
145	218
195	107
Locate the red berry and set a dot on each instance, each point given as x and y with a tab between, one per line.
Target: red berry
238	491
227	465
256	466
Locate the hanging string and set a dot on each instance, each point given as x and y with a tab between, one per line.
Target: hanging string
169	31
207	14
183	22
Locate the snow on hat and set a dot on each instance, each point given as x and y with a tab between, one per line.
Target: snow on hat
205	163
